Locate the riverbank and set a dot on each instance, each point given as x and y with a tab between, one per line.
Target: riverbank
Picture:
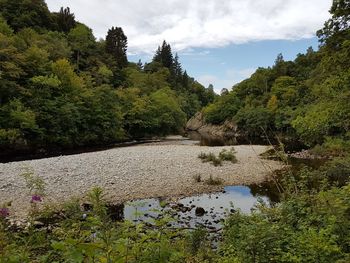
128	173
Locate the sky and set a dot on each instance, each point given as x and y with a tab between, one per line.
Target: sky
220	42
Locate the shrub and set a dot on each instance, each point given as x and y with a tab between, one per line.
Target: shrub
210	158
332	147
214	181
225	155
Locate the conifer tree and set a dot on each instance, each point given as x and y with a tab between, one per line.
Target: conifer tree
116	45
65	20
164	56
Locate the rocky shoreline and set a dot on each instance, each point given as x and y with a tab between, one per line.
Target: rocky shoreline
135	172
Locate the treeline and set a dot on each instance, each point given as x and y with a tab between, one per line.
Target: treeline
305	99
61	88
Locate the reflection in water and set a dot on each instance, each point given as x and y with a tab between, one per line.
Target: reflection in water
186	211
209	140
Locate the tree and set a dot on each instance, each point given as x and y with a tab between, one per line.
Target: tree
336	28
164	56
5	28
116	45
177	71
81	39
20	14
280	65
65	20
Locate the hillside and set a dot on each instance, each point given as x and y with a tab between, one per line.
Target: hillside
61	88
305	100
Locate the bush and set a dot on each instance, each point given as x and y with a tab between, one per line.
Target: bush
224	155
210	158
310	224
214	181
230	156
332	147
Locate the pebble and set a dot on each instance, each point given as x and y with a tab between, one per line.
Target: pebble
127	173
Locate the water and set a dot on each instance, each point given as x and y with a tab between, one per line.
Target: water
209	140
206	210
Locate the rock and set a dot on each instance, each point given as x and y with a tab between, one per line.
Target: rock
200	211
228	129
196	122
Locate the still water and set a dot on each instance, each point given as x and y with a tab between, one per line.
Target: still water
206	210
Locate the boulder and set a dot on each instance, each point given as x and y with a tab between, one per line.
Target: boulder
226	130
196	122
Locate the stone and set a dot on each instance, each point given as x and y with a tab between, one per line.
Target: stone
200	211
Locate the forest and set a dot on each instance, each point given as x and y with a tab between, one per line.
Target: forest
305	100
61	88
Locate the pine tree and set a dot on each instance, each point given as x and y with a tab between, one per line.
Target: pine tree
116	45
65	20
164	56
177	71
185	78
177	67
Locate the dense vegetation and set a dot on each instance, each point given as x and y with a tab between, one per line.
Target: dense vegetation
60	87
306	99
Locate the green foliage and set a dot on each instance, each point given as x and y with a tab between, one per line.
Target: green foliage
310	224
35	184
65	20
22	13
60	88
91	236
224	108
254	121
230	156
224	155
81	40
5	29
333	146
116	45
305	99
214	181
210	157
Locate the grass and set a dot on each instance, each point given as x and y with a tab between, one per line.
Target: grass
224	155
230	156
214	181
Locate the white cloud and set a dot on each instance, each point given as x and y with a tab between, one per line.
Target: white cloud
200	23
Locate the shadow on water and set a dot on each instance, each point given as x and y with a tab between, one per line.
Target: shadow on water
210	140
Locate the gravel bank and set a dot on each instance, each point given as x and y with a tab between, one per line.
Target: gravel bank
128	173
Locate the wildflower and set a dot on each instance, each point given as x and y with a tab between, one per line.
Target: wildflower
4	212
36	199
